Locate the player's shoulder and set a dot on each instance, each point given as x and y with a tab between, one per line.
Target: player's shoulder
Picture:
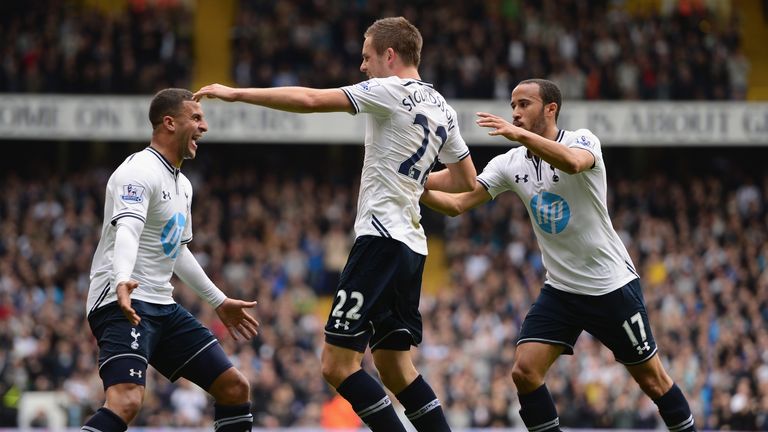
396	83
583	137
374	84
142	164
511	156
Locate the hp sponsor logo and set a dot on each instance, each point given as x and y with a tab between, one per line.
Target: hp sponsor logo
551	212
171	235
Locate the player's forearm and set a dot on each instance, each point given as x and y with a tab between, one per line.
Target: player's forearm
191	273
291	99
442	202
127	236
438	181
556	154
459	177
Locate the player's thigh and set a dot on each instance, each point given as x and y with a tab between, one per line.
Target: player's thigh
187	348
401	326
619	320
535	358
212	371
365	294
125	349
551	320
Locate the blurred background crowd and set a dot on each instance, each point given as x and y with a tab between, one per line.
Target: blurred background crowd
699	239
691	50
694	220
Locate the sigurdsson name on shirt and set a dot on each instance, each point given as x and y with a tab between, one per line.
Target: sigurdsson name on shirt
423	94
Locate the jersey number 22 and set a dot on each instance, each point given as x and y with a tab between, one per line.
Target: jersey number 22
408	167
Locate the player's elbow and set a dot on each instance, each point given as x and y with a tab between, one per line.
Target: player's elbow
453	212
571	166
454	208
576	162
451	209
311	103
569	169
466	184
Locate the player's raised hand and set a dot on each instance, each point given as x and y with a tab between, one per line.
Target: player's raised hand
217	91
499	126
232	313
124	290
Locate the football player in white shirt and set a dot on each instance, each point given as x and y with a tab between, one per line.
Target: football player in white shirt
591	283
409	126
136	322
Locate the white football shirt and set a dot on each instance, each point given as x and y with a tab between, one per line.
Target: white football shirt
408	128
146	187
581	251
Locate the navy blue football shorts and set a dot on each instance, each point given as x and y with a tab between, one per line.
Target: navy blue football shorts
377	299
168	337
618	319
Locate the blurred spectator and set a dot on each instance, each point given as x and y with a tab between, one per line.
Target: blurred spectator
478	49
66	47
700	241
475	50
337	413
189	403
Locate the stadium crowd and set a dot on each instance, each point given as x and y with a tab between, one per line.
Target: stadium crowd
699	240
60	46
472	49
481	49
698	237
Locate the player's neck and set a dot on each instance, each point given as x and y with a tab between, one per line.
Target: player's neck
409	72
551	132
167	153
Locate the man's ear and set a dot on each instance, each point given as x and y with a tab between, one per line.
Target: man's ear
552	108
391	55
169	123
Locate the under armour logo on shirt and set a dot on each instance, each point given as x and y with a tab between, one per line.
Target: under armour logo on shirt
519	179
166	195
134	372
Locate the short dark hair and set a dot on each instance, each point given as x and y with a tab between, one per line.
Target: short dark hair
548	91
400	35
167	102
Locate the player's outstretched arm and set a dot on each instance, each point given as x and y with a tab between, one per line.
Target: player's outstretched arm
292	99
452	204
457	177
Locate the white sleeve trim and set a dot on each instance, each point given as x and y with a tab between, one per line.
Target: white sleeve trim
189	270
126	248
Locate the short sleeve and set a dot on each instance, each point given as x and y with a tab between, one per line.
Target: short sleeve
586	140
493	177
455	148
370	97
130	192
